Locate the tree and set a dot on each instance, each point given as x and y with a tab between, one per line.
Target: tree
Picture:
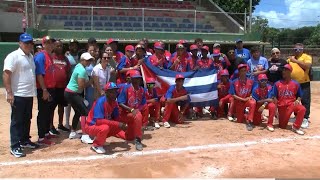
260	25
236	6
315	36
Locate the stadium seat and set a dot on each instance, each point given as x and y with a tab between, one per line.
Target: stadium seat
117	24
155	25
168	20
78	28
132	19
190	26
98	24
136	24
159	19
87	23
122	18
103	18
186	21
168	30
127	24
208	26
84	18
52	17
109	29
98	29
199	26
173	26
147	25
183	26
95	18
108	24
151	19
139	18
78	23
73	17
68	23
113	18
148	29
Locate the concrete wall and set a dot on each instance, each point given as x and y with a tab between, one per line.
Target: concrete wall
10	22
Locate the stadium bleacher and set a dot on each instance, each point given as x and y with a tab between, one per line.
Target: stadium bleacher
114	19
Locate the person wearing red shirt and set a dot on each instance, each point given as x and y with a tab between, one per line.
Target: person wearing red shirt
117	55
194	57
140	54
103	119
288	94
241	89
176	96
205	62
224	97
62	75
158	59
126	64
179	62
134	108
153	102
45	90
263	95
223	58
167	54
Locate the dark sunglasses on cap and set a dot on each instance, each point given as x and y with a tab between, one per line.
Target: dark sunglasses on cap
274	53
150	85
298	49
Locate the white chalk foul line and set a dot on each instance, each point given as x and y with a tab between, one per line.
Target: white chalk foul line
159	151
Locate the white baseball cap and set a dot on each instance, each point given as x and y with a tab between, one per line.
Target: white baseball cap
273	50
86	56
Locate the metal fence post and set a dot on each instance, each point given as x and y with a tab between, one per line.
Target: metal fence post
91	18
142	19
245	20
26	13
195	21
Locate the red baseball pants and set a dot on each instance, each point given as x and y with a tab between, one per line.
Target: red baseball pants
154	110
103	129
285	113
257	115
171	113
240	107
134	124
223	101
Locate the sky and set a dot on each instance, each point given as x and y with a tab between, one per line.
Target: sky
289	13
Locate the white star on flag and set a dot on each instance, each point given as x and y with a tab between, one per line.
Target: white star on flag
158	84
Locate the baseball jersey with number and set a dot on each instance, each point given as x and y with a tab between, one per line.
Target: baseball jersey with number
182	66
241	88
132	98
205	63
158	61
103	109
287	92
259	93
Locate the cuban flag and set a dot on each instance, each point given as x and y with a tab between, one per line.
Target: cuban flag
201	84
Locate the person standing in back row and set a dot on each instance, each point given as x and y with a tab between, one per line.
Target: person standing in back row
301	66
276	65
20	83
242	52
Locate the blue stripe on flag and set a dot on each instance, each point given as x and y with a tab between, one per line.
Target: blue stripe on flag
202	89
170	73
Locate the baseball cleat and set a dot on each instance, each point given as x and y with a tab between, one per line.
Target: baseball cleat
139	146
270	128
249	126
157	125
98	150
298	131
74	135
85	138
305	123
166	124
230	118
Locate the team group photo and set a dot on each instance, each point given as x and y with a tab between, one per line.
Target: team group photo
159	99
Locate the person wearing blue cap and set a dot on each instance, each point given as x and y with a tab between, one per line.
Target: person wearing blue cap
242	52
19	80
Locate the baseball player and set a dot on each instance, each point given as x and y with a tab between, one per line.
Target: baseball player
125	64
153	102
138	57
224	97
158	59
241	89
194	57
288	94
133	108
223	58
179	62
205	62
262	93
103	119
117	55
176	96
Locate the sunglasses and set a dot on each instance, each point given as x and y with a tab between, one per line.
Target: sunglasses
264	80
275	53
104	57
150	85
298	49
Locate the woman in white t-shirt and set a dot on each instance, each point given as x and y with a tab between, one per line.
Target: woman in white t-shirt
101	75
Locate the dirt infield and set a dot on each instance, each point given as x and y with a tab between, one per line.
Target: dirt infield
202	149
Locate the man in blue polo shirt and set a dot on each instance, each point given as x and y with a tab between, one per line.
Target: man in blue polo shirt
257	64
242	52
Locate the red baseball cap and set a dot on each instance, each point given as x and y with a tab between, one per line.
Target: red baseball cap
129	48
140	46
241	66
158	45
216	52
47	38
135	74
205	48
193	47
182	41
111	41
288	66
180	46
224	72
262	76
150	81
110	85
179	76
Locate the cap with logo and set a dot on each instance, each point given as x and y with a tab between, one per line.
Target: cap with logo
262	77
110	85
179	76
135	74
111	41
180	46
47	38
288	66
86	56
25	37
129	48
158	45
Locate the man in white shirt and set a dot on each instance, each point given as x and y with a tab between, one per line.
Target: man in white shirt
20	82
